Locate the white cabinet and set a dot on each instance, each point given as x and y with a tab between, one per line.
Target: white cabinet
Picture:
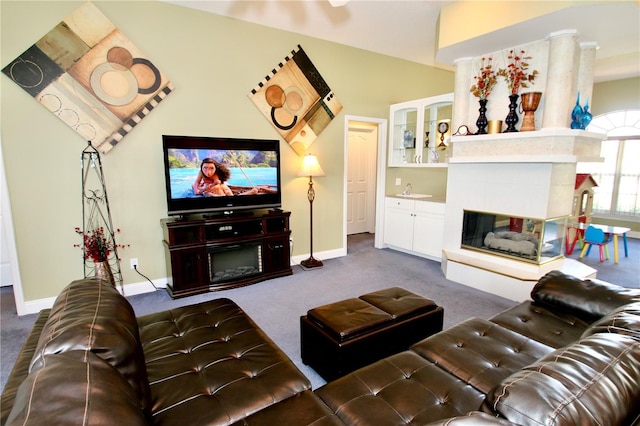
414	226
414	136
428	229
398	222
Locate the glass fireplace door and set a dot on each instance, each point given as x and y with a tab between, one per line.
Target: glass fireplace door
234	262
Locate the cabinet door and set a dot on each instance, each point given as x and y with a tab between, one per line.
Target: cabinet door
414	140
189	269
404	140
276	253
428	234
437	117
398	228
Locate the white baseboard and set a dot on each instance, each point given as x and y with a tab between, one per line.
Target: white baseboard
324	255
35	306
144	287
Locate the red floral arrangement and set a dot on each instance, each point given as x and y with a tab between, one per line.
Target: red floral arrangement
485	80
516	72
95	244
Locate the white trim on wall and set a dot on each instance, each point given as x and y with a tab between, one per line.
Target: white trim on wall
10	240
35	306
380	175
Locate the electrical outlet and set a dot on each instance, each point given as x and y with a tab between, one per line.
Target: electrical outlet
134	262
398	181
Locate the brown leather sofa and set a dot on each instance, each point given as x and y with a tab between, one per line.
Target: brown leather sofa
569	356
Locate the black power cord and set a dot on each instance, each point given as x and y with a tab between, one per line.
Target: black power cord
135	268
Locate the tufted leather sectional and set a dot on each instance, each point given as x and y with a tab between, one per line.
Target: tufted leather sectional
569	356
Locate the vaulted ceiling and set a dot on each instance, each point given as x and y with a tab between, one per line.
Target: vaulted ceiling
408	29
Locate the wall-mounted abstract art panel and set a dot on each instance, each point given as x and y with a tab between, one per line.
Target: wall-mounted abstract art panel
91	76
296	100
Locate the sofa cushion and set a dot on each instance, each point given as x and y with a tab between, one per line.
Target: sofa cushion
300	410
402	389
348	317
474	418
480	352
554	328
593	381
589	299
91	315
399	303
209	363
623	320
76	388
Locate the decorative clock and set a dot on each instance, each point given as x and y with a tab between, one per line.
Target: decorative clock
443	127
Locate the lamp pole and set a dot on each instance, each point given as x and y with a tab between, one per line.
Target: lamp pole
311	262
311	167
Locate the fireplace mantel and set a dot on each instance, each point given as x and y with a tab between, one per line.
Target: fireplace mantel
558	145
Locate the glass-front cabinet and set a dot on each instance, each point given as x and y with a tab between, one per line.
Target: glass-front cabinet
420	131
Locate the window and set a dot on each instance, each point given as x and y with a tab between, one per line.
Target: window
618	177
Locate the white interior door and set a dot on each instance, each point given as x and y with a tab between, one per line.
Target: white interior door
5	261
10	272
362	147
5	266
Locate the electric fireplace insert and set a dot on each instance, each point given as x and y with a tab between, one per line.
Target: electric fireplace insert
527	239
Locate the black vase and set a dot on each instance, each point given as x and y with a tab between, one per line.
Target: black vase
512	117
482	121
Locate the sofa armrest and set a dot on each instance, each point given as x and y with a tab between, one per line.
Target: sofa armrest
623	320
588	299
593	381
90	314
76	387
20	369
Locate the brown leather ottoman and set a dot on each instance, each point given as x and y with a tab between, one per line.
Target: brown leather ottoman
344	336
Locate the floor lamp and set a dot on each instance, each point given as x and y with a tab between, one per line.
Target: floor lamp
311	167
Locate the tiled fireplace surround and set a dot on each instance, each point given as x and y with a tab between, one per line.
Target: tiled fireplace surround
528	174
524	174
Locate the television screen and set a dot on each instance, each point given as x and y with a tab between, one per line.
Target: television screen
220	174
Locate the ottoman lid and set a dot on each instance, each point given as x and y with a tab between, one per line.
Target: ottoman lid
348	317
399	302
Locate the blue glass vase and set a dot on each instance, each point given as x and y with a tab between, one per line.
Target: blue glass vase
576	114
586	116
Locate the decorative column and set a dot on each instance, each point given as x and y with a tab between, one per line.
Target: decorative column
461	93
559	91
585	72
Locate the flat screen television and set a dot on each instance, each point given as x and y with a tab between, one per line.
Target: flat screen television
220	175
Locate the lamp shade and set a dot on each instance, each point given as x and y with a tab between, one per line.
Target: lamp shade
310	166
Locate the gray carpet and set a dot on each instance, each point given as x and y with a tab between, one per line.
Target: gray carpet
626	272
276	305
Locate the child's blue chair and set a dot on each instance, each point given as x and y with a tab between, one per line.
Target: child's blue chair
595	237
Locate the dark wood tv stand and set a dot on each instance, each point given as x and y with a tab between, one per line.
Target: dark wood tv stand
209	253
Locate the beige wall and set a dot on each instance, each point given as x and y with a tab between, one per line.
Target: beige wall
615	95
213	62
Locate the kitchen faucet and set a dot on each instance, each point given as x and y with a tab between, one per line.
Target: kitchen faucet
407	189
